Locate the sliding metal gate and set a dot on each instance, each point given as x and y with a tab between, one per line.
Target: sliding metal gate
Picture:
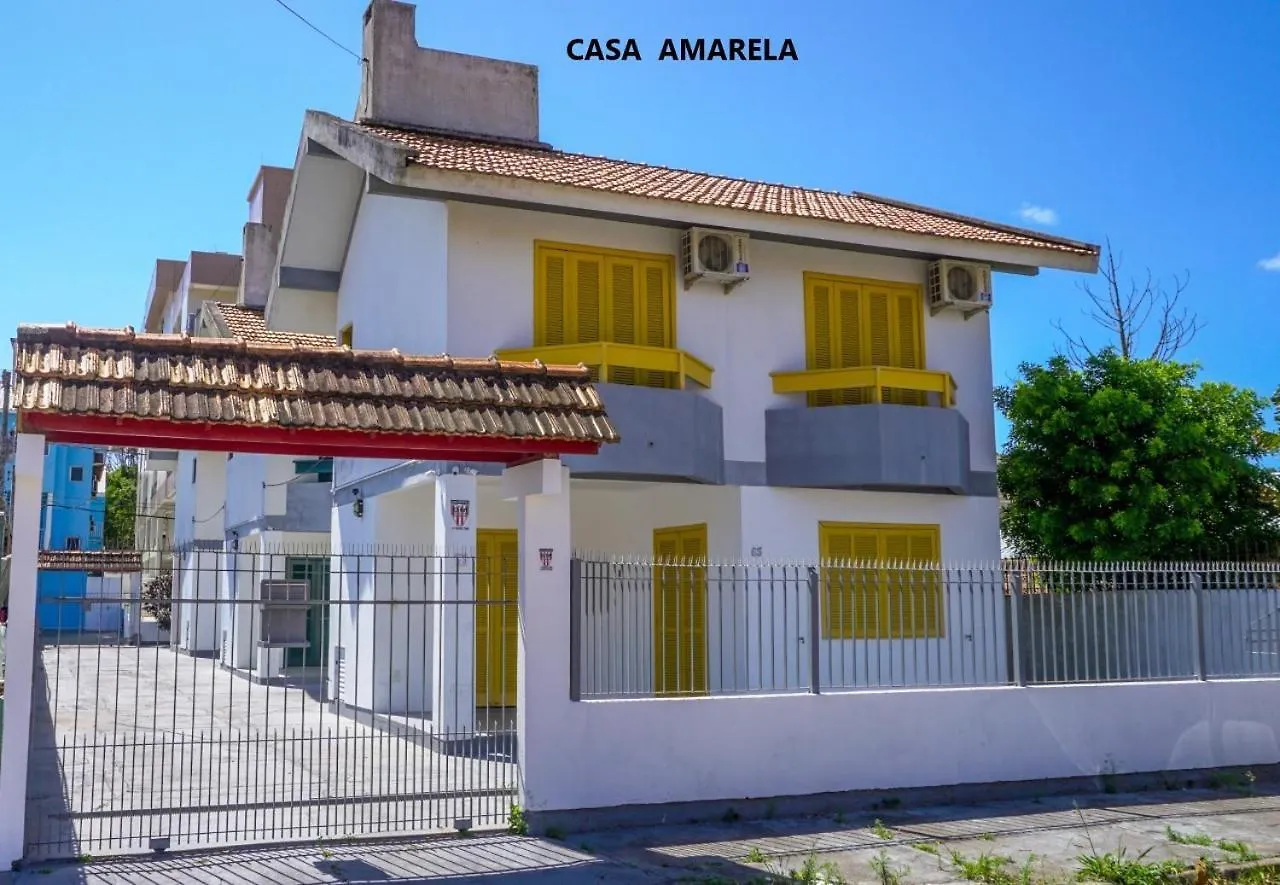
277	695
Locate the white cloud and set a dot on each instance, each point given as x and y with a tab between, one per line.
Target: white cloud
1272	263
1038	214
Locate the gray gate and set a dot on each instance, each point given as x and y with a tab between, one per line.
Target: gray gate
221	696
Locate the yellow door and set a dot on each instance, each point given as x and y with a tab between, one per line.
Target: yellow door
497	595
680	610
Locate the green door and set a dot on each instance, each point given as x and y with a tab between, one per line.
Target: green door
315	571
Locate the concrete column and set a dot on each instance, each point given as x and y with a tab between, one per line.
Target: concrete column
20	643
453	690
542	686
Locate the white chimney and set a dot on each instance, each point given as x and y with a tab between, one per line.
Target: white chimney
404	84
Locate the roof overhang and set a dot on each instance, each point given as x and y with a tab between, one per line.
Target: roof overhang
389	170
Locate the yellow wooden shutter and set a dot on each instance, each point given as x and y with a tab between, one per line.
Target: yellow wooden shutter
848	314
485	619
927	586
907	343
693	654
508	548
587	303
680	611
550	325
621	310
850	603
657	319
913	601
820	353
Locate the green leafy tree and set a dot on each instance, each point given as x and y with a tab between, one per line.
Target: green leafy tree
122	499
1120	459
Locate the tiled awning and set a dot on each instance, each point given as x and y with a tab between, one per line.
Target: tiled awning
120	561
112	386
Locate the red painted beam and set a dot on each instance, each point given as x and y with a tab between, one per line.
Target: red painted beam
105	430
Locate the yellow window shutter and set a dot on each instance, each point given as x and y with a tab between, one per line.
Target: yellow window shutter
866	604
836	549
552	316
908	343
657	318
587	303
693	651
622	309
849	337
821	354
485	619
928	585
509	568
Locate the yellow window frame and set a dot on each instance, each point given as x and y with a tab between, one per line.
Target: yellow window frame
860	601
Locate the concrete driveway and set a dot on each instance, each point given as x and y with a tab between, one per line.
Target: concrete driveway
919	845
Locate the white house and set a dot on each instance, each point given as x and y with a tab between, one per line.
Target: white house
795	373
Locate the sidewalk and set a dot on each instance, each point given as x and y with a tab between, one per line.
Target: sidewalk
1042	839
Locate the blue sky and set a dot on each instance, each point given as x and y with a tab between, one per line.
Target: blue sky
137	126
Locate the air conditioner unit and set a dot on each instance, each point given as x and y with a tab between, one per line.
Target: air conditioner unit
959	285
716	256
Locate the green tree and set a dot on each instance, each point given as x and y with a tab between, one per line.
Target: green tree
1123	459
122	499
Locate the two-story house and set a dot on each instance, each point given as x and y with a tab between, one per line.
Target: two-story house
795	373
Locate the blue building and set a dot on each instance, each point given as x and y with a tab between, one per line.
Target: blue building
72	517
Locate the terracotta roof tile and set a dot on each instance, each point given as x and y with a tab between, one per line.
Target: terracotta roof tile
248	323
67	369
658	182
90	560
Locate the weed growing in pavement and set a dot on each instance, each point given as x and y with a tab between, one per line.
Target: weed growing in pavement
1239	851
989	869
879	829
1119	869
516	822
885	872
1187	838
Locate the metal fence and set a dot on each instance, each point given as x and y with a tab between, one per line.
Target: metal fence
253	694
658	628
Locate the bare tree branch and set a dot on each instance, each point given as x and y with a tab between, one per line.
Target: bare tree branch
1124	310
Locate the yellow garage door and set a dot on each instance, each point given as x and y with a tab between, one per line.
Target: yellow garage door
497	595
680	610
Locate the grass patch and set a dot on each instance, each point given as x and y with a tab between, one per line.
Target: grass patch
1239	851
986	868
755	855
927	848
880	830
1187	838
1119	869
987	837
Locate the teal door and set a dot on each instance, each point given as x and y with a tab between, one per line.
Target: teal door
315	571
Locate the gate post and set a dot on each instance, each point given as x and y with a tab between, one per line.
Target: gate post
544	713
20	645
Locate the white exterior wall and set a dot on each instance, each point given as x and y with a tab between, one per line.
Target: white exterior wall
256	487
396	276
385	651
296	310
787	745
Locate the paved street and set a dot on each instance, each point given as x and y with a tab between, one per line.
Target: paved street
1047	835
136	743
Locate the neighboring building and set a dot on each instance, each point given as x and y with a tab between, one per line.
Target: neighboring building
811	379
213	498
72	517
177	292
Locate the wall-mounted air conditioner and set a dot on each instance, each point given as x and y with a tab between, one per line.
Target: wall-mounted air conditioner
714	256
959	285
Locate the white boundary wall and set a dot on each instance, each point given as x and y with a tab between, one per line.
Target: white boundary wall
617	753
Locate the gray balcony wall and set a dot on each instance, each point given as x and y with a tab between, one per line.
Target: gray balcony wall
868	446
673	435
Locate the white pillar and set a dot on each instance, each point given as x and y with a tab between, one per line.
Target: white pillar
20	643
453	688
542	686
